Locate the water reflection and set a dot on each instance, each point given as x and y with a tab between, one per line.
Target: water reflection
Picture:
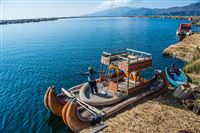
57	125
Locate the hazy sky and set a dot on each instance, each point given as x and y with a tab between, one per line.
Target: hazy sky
16	9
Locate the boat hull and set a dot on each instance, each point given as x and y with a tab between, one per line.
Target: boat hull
72	119
184	32
53	102
46	98
176	80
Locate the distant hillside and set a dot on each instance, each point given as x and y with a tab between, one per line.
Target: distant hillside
120	11
189	10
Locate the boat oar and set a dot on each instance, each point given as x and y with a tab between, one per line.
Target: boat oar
94	113
89	106
67	93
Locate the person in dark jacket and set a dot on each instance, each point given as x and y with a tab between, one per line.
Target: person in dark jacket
174	69
91	74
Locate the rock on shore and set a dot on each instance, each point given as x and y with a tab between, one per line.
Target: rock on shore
187	49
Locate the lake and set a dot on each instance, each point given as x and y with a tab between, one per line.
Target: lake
37	55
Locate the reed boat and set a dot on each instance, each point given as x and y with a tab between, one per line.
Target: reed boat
184	29
176	79
122	82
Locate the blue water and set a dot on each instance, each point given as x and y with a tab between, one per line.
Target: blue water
37	55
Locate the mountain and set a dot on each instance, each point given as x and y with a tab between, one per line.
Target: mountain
120	11
189	10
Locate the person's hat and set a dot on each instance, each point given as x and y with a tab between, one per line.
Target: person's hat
90	68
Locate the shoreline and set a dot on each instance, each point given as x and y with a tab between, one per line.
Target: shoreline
196	19
187	50
20	21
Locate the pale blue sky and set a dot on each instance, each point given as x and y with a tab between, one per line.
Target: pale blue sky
16	9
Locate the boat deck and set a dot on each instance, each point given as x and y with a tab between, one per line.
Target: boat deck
110	109
103	93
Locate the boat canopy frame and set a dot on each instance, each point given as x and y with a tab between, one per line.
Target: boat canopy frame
126	60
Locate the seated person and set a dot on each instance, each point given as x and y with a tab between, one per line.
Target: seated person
174	69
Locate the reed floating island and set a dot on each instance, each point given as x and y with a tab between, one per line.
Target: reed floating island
123	81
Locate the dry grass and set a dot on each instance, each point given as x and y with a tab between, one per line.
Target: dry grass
162	114
198	24
193	66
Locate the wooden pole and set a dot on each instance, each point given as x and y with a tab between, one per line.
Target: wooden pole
117	76
128	75
101	72
117	79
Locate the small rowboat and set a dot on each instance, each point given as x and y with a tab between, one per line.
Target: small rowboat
176	79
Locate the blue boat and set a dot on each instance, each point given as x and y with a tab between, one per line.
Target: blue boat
176	79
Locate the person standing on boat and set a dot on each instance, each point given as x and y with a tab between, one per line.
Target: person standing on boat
91	74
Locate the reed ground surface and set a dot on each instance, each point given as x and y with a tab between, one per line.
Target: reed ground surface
162	114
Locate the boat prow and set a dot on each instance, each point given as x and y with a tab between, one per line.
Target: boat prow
72	118
54	102
64	112
46	98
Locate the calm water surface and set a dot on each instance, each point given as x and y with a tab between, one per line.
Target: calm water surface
37	55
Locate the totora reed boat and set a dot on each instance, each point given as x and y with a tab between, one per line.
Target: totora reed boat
123	81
